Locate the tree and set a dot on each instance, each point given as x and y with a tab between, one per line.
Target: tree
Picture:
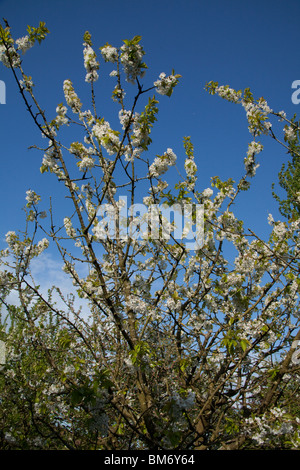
289	175
180	349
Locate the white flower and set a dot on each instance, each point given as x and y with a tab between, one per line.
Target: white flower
279	229
228	93
27	83
41	246
10	53
12	240
254	148
124	117
3	56
190	167
131	59
90	63
136	304
282	115
162	163
69	228
106	136
290	134
257	116
61	115
109	53
86	163
31	197
251	165
165	84
71	97
24	44
207	193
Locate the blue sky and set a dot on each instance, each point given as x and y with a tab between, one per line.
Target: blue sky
240	43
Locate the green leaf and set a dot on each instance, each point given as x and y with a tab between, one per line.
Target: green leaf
244	344
39	33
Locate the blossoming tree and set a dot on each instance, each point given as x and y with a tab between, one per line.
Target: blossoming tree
289	175
180	348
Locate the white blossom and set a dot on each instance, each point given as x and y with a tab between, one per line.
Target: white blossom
162	163
290	133
207	193
109	53
71	97
27	83
61	115
32	198
131	59
90	63
24	43
224	91
165	84
254	148
69	227
190	167
106	136
9	56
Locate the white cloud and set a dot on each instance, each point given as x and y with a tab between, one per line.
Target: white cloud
47	272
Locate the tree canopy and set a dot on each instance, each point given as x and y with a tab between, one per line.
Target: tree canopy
180	347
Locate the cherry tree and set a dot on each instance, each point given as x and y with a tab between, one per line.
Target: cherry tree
289	175
177	346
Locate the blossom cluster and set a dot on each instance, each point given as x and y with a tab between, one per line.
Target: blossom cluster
256	112
273	427
139	136
71	97
61	118
109	53
9	56
32	198
29	249
50	162
24	44
165	85
190	167
107	137
37	249
85	154
12	239
162	163
290	133
69	227
191	171
254	148
131	58
257	115
179	403
138	305
90	63
26	83
224	91
250	164
118	93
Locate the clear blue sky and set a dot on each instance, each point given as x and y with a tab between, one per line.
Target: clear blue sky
241	43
